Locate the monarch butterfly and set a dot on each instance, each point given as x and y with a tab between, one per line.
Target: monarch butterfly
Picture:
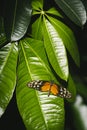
46	86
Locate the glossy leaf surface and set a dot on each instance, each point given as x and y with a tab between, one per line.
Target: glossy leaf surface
17	18
55	50
8	62
74	9
39	112
68	38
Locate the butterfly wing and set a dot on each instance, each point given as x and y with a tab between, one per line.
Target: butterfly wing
64	93
46	87
36	84
54	89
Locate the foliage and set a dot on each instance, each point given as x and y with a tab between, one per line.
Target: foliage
37	42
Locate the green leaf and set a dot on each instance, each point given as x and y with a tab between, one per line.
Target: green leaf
39	112
37	5
68	38
8	62
17	18
53	11
74	9
55	50
37	29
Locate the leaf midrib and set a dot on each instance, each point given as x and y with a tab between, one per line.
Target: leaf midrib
47	68
25	57
31	78
14	17
66	34
52	46
60	29
71	10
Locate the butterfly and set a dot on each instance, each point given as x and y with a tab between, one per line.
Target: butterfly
50	87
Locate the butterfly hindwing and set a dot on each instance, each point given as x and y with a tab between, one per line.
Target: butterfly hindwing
63	92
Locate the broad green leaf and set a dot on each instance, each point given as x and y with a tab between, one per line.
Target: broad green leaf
8	62
2	33
55	50
17	18
53	11
37	5
68	38
37	29
39	112
74	9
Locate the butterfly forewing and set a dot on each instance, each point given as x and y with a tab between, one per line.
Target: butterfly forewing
36	84
45	87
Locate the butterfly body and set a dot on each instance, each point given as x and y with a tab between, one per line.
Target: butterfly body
46	86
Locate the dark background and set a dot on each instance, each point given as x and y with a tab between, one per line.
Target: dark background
11	119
